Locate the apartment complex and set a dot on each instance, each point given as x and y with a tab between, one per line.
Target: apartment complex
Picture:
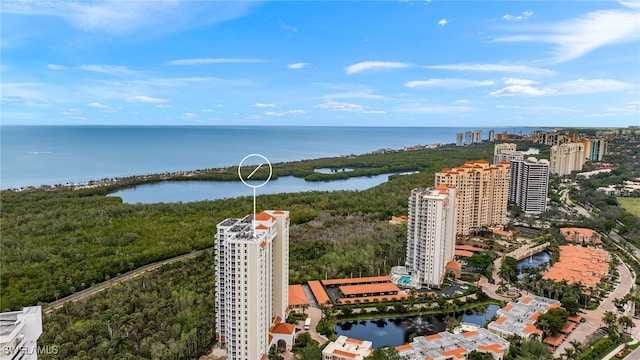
506	152
519	318
468	137
252	279
529	184
445	345
431	233
566	158
482	192
19	333
345	348
594	149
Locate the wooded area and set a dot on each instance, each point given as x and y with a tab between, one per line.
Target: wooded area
60	241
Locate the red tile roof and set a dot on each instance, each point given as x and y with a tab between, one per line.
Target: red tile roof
263	216
496	348
369	289
297	296
457	352
404	347
554	340
349	281
318	291
283	328
344	353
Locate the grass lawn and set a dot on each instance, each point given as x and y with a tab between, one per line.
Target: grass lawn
630	204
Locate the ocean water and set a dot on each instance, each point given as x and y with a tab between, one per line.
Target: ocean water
50	155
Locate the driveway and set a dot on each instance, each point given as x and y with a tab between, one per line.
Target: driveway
594	317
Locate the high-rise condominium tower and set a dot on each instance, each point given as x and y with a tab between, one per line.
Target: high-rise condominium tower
482	193
566	158
252	279
529	184
431	236
506	152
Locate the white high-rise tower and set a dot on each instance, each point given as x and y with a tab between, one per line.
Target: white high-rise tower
431	235
252	279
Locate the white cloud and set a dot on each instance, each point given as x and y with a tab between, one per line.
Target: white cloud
288	28
514	81
521	87
202	61
518	69
340	106
98	105
374	65
124	17
577	37
587	86
55	67
103	107
147	99
107	69
443	22
282	113
189	116
634	4
450	83
523	16
261	105
347	107
581	86
353	95
300	65
206	110
421	109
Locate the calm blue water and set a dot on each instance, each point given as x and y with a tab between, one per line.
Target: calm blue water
396	331
535	260
37	155
187	191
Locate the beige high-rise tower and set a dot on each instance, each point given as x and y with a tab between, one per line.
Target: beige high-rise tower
252	279
566	158
482	194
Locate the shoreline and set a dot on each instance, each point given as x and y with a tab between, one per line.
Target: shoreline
183	175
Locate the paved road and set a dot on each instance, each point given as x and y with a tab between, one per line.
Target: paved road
93	290
594	317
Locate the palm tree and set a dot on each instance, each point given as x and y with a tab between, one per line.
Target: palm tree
577	346
569	354
626	322
611	320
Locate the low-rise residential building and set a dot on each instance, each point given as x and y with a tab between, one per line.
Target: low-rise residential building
445	345
519	318
581	235
577	264
345	348
19	333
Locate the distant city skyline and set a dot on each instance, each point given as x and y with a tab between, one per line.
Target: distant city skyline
383	63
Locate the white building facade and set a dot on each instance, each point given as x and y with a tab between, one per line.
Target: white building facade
19	333
529	185
431	233
252	279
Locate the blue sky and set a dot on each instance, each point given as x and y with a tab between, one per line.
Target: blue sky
382	63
